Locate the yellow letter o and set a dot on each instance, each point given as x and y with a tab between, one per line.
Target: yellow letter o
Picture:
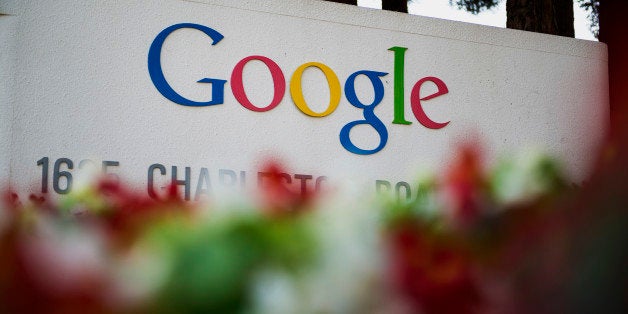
297	93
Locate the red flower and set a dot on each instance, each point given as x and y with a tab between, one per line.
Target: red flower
433	274
465	186
279	196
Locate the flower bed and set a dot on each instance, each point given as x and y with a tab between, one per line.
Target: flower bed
513	239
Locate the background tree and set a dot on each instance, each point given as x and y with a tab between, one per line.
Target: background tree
390	5
612	26
395	5
541	16
354	2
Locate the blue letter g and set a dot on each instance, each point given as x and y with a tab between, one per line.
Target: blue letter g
368	111
157	74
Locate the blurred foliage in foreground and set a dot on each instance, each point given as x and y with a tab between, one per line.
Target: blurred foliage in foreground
513	239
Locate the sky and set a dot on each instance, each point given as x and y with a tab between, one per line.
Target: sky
494	17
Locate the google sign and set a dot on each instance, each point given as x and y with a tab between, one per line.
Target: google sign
200	94
296	92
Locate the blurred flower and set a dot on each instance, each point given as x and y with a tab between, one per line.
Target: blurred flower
432	272
525	178
465	187
509	239
278	196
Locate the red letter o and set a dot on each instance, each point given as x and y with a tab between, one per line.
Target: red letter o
237	86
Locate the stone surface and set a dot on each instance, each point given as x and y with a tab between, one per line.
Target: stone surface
78	87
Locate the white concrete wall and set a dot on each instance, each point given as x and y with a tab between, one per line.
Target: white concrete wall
7	87
83	88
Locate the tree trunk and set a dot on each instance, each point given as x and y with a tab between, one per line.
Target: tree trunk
542	16
395	5
612	32
354	2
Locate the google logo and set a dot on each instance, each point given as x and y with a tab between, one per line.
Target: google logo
279	86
